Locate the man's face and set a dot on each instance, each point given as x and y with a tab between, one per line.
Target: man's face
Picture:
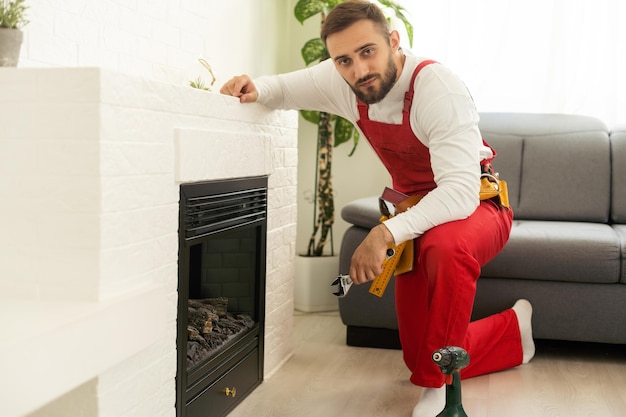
365	60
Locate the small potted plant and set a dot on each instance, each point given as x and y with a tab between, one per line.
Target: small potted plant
12	20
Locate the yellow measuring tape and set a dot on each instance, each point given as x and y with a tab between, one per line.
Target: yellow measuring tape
379	285
394	253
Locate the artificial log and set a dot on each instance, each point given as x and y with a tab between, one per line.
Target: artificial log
201	316
219	305
210	326
194	335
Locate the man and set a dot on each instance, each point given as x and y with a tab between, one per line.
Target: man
421	121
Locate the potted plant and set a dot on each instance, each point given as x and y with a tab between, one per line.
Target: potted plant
12	20
332	131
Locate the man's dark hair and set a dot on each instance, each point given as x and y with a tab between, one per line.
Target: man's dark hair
347	13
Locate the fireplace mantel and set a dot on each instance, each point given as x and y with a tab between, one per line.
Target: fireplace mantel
90	166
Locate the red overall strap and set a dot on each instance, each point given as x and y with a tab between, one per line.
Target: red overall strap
408	96
408	99
406	158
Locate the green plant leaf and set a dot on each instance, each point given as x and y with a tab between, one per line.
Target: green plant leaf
199	84
13	14
308	8
310	116
344	131
409	28
400	14
355	141
313	50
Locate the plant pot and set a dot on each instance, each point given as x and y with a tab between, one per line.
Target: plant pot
313	290
10	45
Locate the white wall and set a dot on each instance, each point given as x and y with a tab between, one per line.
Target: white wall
544	56
157	39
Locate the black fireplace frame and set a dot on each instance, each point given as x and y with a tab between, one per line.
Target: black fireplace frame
214	387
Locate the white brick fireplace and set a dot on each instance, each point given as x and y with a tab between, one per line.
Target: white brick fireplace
90	167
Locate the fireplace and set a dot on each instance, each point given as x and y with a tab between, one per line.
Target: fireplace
222	252
100	282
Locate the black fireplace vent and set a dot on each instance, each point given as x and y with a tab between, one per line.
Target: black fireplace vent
219	212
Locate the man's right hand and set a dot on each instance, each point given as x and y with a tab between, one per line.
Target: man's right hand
368	258
241	86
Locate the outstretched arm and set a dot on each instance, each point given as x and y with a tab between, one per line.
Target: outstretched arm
241	86
318	87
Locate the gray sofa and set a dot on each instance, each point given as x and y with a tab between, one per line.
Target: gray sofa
567	250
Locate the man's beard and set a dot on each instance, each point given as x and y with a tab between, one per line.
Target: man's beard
371	95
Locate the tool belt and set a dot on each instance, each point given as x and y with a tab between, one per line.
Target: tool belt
491	188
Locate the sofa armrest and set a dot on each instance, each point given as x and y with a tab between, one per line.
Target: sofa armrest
363	212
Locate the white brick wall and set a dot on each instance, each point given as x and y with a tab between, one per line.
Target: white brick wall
91	162
156	39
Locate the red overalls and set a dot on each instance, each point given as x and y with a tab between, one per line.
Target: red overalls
434	301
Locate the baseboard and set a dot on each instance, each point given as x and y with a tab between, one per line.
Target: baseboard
372	337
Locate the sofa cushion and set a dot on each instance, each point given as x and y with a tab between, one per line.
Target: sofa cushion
558	167
618	151
620	229
559	251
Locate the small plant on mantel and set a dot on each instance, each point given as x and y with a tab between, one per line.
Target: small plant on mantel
329	125
199	82
12	20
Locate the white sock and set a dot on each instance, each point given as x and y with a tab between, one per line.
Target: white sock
524	311
431	403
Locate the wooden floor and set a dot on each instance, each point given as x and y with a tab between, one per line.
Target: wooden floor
326	378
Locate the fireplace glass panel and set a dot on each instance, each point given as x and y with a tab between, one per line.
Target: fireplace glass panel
223	278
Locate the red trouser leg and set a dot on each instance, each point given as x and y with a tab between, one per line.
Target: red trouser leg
434	301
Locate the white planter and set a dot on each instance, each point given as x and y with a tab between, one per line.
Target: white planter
313	290
10	45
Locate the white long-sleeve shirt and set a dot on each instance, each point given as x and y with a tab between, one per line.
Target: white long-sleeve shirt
443	117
